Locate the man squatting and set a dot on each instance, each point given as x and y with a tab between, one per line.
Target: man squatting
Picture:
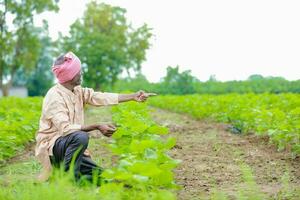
62	133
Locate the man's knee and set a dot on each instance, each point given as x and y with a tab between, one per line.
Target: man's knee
82	138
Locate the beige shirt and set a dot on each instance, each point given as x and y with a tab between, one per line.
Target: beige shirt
62	114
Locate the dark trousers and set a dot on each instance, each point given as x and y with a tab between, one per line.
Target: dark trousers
74	144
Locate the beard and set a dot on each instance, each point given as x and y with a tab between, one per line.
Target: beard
78	82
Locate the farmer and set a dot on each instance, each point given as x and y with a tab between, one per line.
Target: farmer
62	132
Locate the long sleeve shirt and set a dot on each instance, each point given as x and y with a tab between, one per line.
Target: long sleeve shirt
62	114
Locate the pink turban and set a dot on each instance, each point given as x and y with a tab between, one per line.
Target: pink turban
68	69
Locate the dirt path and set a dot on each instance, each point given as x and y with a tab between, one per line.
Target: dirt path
213	159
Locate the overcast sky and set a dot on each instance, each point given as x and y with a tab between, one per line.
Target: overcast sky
231	39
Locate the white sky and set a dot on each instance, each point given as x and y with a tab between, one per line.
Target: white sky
229	38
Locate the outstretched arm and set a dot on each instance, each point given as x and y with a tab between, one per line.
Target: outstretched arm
139	96
103	98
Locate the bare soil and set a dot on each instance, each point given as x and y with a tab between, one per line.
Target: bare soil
212	158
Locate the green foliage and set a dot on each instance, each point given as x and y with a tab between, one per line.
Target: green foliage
143	169
61	186
277	116
143	165
176	82
40	78
18	123
106	44
252	85
133	84
20	45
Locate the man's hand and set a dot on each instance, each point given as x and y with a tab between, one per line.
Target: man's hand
142	96
106	129
139	96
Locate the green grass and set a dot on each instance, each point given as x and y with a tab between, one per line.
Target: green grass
17	180
18	123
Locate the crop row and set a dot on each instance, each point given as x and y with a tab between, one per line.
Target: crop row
144	169
18	123
275	115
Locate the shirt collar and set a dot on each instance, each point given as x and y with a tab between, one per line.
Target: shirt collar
64	89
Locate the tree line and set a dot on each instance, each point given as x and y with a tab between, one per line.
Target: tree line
102	38
108	45
180	83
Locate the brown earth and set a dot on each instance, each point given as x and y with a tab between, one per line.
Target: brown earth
213	159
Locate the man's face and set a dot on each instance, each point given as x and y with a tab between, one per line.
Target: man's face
77	79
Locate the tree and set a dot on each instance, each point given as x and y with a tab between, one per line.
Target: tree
40	79
178	83
19	41
133	84
106	44
255	77
212	78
